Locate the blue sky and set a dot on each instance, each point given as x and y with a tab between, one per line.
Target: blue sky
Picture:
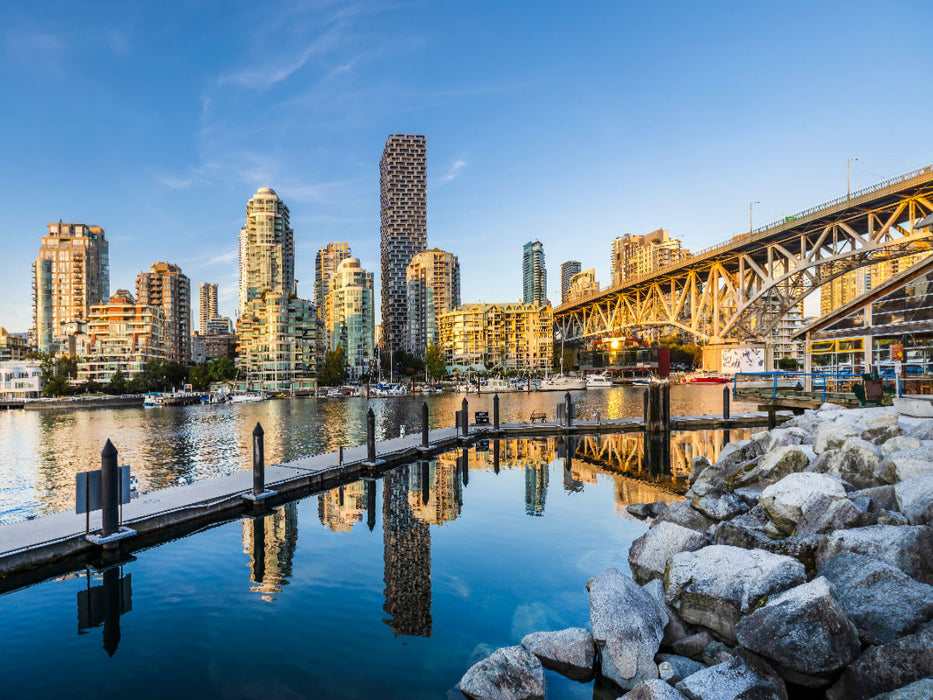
571	123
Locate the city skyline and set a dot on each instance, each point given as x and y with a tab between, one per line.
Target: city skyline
334	81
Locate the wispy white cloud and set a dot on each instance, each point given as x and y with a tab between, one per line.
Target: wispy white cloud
343	68
452	172
173	182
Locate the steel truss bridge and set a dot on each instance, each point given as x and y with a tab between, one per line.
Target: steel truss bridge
741	289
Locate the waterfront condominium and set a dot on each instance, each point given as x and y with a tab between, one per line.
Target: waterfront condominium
325	266
277	331
534	274
123	335
71	274
582	284
167	288
567	270
641	255
403	199
208	306
433	288
350	315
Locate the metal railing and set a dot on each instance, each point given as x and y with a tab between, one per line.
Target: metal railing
814	378
789	221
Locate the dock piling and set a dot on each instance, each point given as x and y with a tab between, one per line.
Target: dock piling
465	417
259	460
109	478
568	410
495	412
371	436
645	401
725	402
658	407
425	437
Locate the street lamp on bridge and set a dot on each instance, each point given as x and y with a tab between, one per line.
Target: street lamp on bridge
848	177
750	205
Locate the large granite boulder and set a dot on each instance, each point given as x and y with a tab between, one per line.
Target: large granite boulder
653	690
571	652
674	628
905	464
779	437
918	690
674	668
748	530
804	631
880	497
719	505
901	442
830	515
716	585
743	677
831	435
774	466
856	462
882	601
915	499
510	673
627	627
682	513
787	501
884	668
907	547
649	554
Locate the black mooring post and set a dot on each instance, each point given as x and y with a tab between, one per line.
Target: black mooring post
568	415
645	399
772	419
112	605
425	483
465	461
371	436
109	476
425	438
495	456
725	402
466	417
495	412
371	505
259	461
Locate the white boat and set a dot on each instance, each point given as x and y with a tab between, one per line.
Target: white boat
561	382
598	381
495	386
152	400
247	396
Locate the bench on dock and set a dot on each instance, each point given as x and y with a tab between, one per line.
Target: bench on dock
538	416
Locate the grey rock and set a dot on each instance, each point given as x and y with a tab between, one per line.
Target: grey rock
918	690
682	513
719	505
675	628
571	652
830	515
769	440
673	668
915	499
638	510
692	645
716	585
749	494
890	517
803	549
922	430
656	508
787	501
879	436
742	677
882	601
510	673
653	690
901	442
697	465
480	652
627	628
774	466
888	667
907	547
804	631
905	464
880	496
863	503
746	530
832	436
716	653
886	419
855	462
649	554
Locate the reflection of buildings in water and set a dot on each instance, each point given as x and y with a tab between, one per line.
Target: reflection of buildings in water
519	453
434	492
536	479
407	554
340	508
270	542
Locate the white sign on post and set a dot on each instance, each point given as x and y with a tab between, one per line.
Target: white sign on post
897	367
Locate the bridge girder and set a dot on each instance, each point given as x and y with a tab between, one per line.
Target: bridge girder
743	293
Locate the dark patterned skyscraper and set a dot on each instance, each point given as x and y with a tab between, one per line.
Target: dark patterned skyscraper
534	274
403	196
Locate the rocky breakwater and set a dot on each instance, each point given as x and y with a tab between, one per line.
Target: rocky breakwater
799	565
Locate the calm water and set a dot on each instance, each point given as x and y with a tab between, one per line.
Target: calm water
384	589
41	452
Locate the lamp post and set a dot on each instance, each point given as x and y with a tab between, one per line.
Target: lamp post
849	177
750	205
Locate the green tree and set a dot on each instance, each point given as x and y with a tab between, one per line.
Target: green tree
788	363
334	370
58	386
66	366
117	383
434	362
200	376
222	369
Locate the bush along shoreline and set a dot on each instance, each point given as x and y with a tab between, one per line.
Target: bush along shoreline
800	565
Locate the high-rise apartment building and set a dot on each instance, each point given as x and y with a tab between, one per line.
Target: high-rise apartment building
71	274
167	288
325	267
208	305
567	271
350	315
641	255
534	274
433	282
404	228
581	284
852	284
277	331
123	335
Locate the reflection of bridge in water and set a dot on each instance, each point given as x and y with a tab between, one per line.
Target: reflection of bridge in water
741	289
